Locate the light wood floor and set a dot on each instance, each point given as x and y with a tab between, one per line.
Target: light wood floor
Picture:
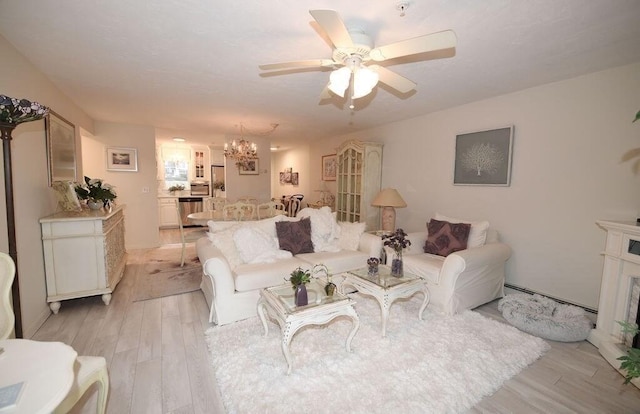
158	359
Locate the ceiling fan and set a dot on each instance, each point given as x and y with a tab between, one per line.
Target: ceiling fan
353	56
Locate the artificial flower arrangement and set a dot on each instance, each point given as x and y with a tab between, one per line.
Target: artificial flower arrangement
94	189
397	241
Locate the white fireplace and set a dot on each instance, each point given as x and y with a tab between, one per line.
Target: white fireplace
620	272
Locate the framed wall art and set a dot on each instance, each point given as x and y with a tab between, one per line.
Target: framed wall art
484	157
61	148
249	168
122	159
329	167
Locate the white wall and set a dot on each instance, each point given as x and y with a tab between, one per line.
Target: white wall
567	173
141	211
259	185
33	197
298	160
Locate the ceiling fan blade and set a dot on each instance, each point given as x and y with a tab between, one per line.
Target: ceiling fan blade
427	43
312	63
333	26
392	79
325	94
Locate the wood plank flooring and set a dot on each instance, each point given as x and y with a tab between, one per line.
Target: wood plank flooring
158	359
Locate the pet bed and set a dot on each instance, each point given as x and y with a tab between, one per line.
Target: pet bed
546	318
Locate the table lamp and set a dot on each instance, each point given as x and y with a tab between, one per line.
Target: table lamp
389	199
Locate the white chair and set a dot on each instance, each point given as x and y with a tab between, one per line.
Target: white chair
270	209
239	211
7	273
248	200
88	369
185	238
215	203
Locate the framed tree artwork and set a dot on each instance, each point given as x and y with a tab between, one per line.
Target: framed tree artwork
329	167
484	157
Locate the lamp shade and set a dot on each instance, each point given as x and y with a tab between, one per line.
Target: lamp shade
388	197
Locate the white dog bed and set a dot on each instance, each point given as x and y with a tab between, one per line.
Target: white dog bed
546	318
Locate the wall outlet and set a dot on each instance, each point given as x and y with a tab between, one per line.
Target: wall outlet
145	189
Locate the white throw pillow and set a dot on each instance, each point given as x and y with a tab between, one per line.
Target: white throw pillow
256	246
350	235
223	240
478	233
324	228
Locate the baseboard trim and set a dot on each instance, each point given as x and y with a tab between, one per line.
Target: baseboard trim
531	292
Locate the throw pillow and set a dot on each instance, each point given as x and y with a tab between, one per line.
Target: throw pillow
256	246
350	235
445	238
223	240
324	228
478	234
295	236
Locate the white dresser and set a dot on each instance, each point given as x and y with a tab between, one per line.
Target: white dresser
84	254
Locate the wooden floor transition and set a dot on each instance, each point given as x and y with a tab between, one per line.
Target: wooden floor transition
158	360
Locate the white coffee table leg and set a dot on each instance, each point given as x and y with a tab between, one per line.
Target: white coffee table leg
288	330
356	325
427	297
263	317
385	304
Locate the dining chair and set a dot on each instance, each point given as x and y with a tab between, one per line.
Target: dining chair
239	211
248	200
185	238
293	207
270	209
215	203
88	369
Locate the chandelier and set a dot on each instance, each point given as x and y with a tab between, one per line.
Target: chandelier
242	151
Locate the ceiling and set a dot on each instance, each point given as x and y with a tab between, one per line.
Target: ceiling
192	65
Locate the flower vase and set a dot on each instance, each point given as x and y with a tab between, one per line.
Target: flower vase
95	205
301	298
396	265
330	288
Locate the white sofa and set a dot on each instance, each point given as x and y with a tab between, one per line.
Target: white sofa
464	279
232	292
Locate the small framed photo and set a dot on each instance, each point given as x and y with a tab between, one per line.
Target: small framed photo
294	178
484	157
122	159
250	168
329	167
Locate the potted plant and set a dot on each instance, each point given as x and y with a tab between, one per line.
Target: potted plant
96	192
631	361
174	188
217	185
398	241
299	278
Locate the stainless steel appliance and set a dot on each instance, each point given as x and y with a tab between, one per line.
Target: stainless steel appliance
200	188
189	205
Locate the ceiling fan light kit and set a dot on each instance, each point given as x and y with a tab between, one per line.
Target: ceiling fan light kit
353	50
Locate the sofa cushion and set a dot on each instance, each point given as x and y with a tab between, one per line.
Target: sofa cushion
223	240
427	266
337	262
350	235
295	236
257	276
256	246
478	233
445	238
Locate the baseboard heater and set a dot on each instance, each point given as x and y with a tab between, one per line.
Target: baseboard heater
564	302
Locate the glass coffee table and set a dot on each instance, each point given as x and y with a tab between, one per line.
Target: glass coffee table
278	302
386	288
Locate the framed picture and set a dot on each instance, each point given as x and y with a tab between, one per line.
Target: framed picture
61	148
250	168
294	178
484	157
122	159
329	167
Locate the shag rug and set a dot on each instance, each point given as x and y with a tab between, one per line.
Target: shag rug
443	364
160	273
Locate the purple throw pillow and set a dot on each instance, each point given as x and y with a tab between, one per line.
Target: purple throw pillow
445	238
295	236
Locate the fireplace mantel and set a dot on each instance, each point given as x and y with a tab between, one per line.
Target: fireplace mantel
621	267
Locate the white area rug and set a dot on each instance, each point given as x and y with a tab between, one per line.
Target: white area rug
438	365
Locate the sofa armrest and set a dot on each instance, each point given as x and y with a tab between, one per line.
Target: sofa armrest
474	262
417	239
370	244
215	266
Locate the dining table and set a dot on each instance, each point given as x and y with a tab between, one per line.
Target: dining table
45	370
201	218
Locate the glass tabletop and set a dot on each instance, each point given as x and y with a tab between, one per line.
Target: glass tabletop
315	293
383	279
